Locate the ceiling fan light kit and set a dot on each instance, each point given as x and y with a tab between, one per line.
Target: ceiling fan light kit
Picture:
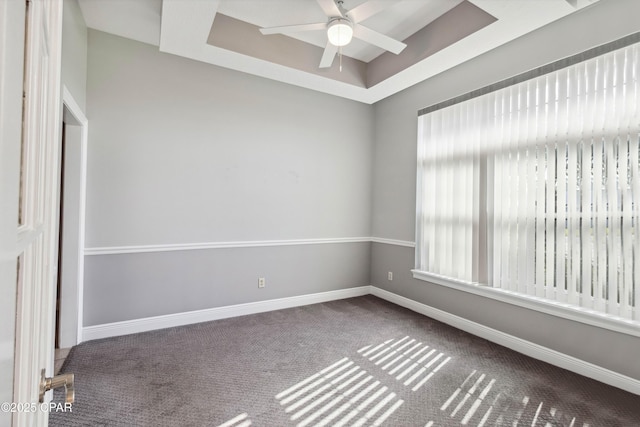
342	28
339	32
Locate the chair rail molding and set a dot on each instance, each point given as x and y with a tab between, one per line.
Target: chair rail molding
116	250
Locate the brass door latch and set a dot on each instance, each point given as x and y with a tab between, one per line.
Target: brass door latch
64	380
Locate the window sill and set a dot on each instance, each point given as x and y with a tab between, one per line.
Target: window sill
558	309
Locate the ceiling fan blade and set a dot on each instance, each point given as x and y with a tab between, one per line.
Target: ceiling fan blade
367	10
328	55
293	28
377	39
330	8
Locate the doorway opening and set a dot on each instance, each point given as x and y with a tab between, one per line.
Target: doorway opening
68	328
60	239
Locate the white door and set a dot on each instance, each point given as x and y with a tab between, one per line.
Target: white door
30	222
11	72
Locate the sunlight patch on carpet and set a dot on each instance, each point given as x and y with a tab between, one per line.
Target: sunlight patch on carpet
339	394
402	359
478	402
239	421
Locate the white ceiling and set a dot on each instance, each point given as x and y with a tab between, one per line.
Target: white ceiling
183	27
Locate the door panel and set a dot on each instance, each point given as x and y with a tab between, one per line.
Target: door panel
37	231
12	19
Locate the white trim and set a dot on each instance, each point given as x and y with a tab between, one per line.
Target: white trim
117	250
554	308
69	103
404	243
114	250
190	317
522	346
26	236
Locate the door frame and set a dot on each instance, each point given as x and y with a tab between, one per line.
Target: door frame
72	279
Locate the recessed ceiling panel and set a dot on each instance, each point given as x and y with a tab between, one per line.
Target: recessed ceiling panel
449	26
399	19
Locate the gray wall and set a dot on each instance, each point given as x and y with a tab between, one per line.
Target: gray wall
185	152
394	184
74	52
131	286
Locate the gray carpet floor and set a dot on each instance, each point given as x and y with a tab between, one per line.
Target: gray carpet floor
359	361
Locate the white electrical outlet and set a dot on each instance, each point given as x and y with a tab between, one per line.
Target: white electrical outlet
390	275
261	282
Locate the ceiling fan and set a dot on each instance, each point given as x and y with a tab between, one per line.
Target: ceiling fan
342	26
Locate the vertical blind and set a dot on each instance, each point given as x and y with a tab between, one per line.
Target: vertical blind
535	188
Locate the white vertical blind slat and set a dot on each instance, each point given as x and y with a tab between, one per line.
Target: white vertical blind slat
471	214
530	208
550	222
450	219
499	197
577	131
487	152
436	203
597	219
439	199
511	201
550	188
540	196
431	184
461	200
626	230
589	248
464	201
423	206
522	170
573	266
573	111
562	236
505	206
446	218
608	291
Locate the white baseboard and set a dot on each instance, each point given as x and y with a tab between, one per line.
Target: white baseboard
179	319
522	346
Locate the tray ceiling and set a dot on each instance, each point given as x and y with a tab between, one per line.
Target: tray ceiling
439	34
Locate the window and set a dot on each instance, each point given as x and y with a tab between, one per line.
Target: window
533	189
